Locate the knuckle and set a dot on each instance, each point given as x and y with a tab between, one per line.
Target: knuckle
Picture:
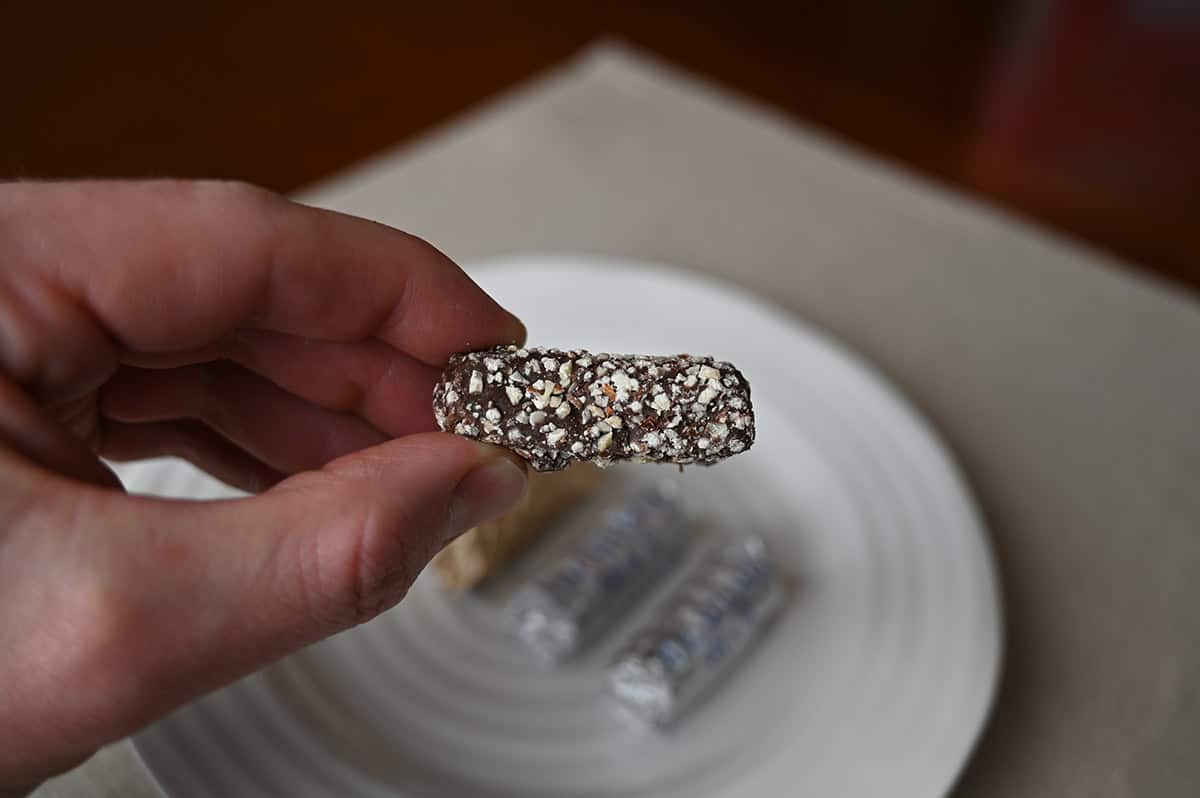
230	194
225	199
356	567
378	571
420	251
101	622
230	202
99	652
92	627
420	245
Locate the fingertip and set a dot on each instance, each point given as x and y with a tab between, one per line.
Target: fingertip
488	452
488	491
520	334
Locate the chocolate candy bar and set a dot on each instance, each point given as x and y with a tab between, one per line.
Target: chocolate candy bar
564	607
478	553
554	406
715	617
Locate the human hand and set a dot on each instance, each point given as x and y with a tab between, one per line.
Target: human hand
283	349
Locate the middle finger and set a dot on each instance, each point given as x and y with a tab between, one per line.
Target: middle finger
281	429
391	390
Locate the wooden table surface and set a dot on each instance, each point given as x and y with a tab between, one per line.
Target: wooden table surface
284	93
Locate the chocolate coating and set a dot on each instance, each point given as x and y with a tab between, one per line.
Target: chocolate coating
554	406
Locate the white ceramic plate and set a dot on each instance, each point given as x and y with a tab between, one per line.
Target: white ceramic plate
877	680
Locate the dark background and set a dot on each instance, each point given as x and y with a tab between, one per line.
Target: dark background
1083	115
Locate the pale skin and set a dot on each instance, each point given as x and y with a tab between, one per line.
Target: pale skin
288	351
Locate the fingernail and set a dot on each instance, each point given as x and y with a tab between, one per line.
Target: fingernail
487	492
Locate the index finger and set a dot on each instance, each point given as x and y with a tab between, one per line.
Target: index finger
169	265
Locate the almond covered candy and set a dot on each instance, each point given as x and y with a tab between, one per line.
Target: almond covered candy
554	406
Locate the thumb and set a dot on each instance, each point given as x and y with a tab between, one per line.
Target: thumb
345	543
143	604
244	582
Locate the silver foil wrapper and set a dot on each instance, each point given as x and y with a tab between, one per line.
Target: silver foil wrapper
567	604
715	617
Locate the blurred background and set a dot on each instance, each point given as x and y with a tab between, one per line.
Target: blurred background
1081	114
